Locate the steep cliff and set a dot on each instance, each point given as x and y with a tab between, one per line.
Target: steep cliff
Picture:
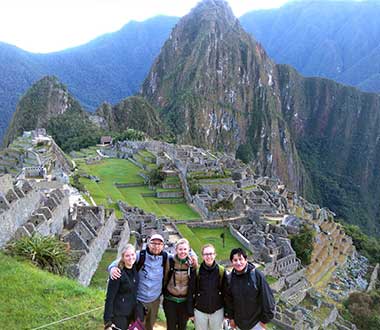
337	132
215	87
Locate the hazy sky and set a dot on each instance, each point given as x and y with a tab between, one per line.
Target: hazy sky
51	25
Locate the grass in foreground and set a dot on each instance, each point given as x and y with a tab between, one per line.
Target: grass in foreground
32	298
200	236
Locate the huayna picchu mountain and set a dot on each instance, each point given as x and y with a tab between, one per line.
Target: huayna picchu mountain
215	86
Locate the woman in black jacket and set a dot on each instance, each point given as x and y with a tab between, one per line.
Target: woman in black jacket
121	301
210	291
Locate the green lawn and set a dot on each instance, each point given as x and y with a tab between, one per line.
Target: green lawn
99	280
200	236
32	298
181	211
111	171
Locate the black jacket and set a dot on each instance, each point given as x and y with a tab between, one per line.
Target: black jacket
247	304
210	289
121	299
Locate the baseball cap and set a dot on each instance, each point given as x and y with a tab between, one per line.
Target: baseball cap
157	236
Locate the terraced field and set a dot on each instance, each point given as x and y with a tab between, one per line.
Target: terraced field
111	171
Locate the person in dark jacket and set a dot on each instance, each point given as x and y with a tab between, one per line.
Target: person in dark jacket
210	288
121	301
249	301
180	282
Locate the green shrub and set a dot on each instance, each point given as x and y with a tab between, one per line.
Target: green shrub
363	309
77	184
244	153
224	204
366	245
47	252
156	176
302	244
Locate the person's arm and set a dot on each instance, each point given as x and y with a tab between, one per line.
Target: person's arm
191	291
112	289
267	299
228	299
114	270
194	258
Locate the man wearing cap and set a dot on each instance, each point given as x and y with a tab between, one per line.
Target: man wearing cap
151	275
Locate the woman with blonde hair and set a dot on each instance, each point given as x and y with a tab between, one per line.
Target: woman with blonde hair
121	301
178	293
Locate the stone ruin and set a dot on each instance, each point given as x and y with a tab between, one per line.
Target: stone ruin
144	225
50	216
88	239
17	201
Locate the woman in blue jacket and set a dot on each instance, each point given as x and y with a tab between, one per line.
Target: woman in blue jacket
121	302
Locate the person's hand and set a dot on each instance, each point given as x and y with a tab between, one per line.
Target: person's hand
109	326
232	324
191	318
115	273
194	260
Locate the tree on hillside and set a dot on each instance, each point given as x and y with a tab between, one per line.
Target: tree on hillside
302	244
244	153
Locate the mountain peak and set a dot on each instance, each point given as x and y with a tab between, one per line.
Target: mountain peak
214	10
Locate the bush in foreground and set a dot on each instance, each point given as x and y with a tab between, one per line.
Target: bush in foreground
47	252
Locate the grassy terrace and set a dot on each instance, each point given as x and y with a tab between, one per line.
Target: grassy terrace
111	171
32	298
200	236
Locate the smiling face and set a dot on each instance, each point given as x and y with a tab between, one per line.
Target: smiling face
182	250
129	257
156	246
208	255
239	262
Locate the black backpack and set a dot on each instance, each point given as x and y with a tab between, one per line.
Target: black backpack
141	263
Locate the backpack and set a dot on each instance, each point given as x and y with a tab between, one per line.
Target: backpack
142	257
252	277
221	273
170	269
140	264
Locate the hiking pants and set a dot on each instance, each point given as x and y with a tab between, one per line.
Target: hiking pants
176	315
204	321
151	310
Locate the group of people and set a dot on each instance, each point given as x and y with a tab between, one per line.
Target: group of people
204	293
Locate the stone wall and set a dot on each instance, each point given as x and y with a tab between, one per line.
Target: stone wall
169	194
247	244
373	279
125	236
6	183
95	245
17	215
